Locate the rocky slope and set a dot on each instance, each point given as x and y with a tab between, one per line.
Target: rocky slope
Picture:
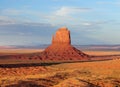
61	48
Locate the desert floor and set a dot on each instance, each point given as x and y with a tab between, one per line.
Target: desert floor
18	51
78	74
99	53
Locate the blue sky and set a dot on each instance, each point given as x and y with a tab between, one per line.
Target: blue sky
32	22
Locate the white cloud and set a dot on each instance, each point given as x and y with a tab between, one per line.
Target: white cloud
62	16
116	3
65	11
65	16
5	20
98	22
22	15
86	24
12	11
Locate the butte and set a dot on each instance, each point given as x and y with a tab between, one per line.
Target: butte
61	48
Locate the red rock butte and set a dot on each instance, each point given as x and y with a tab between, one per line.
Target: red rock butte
61	48
62	36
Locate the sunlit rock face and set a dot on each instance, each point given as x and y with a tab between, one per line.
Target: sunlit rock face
61	48
62	36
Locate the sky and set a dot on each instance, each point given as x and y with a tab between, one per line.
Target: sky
33	22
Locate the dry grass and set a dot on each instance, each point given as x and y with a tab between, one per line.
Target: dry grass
102	74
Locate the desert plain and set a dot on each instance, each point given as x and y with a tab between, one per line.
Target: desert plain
97	73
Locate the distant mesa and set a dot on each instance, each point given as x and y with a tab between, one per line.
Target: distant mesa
61	48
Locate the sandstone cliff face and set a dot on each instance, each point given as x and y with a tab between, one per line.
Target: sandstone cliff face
62	36
61	48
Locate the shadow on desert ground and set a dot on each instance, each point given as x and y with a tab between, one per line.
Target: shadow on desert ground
79	74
